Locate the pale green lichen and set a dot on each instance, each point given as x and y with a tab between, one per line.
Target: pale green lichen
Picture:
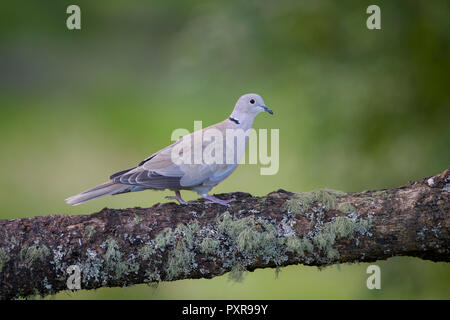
229	226
92	269
181	261
209	246
164	239
346	207
446	187
335	193
301	202
152	276
253	237
179	252
115	262
4	258
260	240
89	231
341	227
237	273
146	252
182	257
32	253
344	227
237	241
299	245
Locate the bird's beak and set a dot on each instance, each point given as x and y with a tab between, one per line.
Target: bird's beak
267	110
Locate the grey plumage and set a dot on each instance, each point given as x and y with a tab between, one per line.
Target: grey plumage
160	172
105	189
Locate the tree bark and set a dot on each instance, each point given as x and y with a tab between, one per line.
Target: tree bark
122	247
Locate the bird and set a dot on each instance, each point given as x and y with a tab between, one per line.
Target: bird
172	168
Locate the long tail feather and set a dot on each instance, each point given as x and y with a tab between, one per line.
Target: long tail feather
105	189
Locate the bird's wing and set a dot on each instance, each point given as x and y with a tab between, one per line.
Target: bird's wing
160	171
156	172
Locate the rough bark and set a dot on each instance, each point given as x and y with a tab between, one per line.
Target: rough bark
122	247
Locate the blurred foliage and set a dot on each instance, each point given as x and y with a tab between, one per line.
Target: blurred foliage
356	108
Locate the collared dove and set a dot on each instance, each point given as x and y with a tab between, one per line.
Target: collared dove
172	167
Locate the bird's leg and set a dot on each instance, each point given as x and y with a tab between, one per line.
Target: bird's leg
177	197
213	199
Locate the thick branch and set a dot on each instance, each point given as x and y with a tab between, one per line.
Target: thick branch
170	241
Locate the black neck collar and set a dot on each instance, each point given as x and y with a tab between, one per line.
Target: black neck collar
234	120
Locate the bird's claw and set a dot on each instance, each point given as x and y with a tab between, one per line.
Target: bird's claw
220	201
181	201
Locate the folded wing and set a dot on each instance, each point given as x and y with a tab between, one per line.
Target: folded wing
160	172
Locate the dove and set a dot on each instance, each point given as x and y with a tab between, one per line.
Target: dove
198	161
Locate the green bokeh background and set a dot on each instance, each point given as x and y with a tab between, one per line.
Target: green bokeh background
357	109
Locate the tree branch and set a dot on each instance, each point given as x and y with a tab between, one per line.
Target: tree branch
122	247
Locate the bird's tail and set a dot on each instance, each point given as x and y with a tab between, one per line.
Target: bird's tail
105	189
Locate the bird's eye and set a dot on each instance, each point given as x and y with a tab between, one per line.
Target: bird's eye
252	101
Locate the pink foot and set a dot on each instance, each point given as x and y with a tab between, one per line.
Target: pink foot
177	196
213	199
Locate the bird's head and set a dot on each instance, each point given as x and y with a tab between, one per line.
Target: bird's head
250	105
